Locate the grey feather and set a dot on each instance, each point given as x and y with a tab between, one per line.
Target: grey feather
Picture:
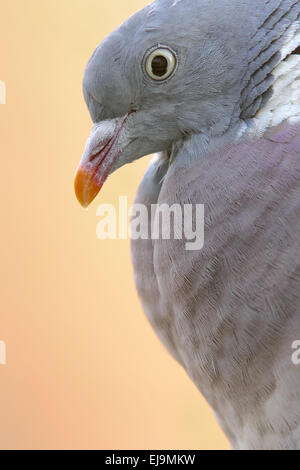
230	312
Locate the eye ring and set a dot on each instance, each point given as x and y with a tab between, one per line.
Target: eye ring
160	63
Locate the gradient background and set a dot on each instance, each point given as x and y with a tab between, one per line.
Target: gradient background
84	369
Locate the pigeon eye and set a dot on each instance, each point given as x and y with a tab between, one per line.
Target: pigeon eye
160	63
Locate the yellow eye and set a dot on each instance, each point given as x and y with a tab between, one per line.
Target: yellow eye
160	63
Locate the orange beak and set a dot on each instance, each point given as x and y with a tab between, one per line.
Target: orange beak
86	186
102	150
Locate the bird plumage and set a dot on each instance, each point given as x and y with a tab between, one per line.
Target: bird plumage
228	126
230	312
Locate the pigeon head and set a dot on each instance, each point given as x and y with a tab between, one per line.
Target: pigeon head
174	69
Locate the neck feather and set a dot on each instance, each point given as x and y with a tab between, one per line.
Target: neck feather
271	82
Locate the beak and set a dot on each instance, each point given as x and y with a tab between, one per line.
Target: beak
103	148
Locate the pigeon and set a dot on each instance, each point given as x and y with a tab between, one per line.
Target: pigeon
212	88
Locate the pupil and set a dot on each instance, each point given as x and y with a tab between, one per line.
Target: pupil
159	66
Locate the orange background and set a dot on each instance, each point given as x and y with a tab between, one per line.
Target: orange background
84	369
